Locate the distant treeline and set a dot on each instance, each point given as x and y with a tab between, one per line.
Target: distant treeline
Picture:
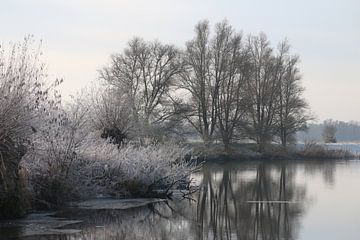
345	131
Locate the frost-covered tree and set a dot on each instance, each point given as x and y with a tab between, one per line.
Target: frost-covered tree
109	114
22	94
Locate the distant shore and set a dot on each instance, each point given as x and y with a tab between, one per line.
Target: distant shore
248	151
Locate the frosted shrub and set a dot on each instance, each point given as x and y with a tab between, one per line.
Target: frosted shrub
141	170
55	169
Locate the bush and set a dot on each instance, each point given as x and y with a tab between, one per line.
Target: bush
55	169
97	166
141	170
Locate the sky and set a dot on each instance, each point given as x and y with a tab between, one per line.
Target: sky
78	37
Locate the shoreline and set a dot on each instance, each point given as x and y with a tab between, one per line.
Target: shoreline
247	152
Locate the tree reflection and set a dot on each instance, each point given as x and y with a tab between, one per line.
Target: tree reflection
327	168
266	206
247	201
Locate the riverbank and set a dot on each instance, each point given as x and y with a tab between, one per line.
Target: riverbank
248	151
154	170
166	170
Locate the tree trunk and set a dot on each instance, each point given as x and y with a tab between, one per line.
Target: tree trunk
283	138
226	142
262	143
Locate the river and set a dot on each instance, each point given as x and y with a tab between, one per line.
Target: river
304	200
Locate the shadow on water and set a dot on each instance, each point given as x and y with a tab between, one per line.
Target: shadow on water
257	200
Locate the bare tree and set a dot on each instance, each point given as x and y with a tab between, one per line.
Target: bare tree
262	90
227	80
231	66
144	73
292	113
214	76
200	83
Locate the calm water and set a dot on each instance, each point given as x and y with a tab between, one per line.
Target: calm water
250	200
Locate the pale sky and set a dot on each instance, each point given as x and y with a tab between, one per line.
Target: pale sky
79	36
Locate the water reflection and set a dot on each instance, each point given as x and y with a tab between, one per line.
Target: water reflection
325	168
247	201
266	206
155	221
